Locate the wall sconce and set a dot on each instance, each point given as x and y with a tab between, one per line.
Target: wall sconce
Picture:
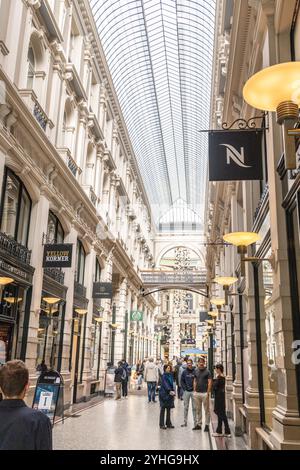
242	240
277	88
98	319
5	280
12	300
226	282
81	311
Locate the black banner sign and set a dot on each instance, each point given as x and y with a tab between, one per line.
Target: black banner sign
235	155
57	256
102	290
203	316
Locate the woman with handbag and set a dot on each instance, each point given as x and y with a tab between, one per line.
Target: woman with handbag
166	397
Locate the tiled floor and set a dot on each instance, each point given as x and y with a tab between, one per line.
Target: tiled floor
129	424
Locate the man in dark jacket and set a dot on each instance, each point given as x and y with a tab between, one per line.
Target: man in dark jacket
21	428
119	374
187	385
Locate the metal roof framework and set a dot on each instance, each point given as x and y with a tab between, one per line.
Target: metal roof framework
160	57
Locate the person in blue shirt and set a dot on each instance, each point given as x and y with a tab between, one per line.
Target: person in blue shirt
166	397
21	427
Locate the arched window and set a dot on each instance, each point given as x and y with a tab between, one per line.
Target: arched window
55	232
31	68
80	263
97	271
189	301
15	208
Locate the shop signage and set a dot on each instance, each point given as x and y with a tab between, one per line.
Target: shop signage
188	341
102	290
57	256
136	315
235	155
16	272
48	394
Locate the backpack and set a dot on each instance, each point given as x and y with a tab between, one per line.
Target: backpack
124	374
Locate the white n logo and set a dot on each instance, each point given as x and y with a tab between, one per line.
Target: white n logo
233	154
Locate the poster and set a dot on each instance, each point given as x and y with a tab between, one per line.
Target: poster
47	393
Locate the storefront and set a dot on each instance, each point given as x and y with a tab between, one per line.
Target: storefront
16	273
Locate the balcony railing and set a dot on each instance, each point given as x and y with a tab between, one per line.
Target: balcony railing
15	249
79	289
56	274
31	100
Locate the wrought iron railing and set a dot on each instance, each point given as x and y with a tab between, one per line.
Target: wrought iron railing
40	116
79	289
55	273
15	249
72	165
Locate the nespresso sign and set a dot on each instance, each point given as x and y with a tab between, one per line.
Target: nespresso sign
102	290
235	155
57	256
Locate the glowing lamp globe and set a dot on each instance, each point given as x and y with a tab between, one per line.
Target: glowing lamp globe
272	86
241	238
225	281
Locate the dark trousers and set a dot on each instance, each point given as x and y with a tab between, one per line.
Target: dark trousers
179	392
162	416
222	418
124	388
151	391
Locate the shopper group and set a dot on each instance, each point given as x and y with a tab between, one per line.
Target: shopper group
191	384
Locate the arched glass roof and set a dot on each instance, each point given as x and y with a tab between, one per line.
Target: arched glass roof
160	58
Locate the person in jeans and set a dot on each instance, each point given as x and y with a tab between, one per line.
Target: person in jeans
119	374
151	377
202	389
166	397
220	407
21	427
187	385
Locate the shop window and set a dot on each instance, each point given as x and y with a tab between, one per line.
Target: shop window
15	208
11	322
49	330
55	232
295	33
80	263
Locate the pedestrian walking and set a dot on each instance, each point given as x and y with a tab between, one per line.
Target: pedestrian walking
166	398
125	378
202	390
151	377
220	403
119	374
21	427
187	385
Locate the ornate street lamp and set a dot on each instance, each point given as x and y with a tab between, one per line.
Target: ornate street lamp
277	88
226	282
242	240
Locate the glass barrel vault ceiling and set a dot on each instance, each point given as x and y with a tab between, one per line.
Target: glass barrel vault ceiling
160	57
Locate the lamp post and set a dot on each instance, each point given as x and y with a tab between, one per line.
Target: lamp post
242	240
113	334
277	88
218	303
226	282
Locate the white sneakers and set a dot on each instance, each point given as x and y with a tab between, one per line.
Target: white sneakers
217	434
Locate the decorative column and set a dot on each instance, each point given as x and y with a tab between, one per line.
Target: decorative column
71	238
120	320
107	304
81	138
38	226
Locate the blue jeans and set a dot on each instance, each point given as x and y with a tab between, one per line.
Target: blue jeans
151	390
